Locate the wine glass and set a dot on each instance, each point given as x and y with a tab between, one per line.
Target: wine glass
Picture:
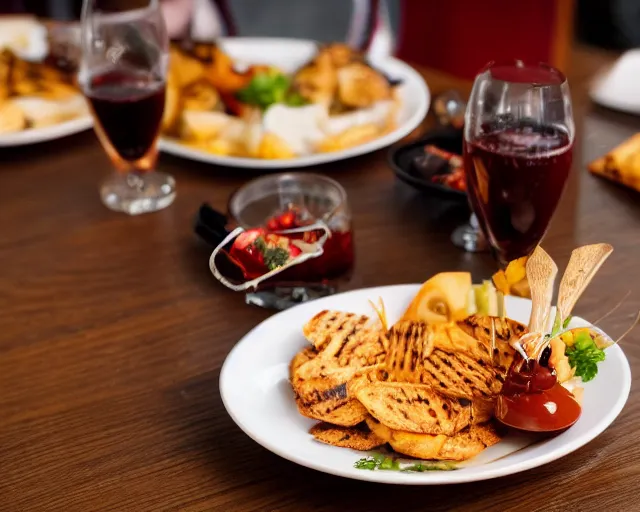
518	145
122	73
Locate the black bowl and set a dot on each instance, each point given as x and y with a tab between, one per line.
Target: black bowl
401	160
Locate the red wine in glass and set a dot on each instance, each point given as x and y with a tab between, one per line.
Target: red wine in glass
122	71
129	109
518	147
516	171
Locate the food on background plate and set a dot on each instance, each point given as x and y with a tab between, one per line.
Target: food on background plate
24	36
431	385
622	164
36	94
334	102
442	167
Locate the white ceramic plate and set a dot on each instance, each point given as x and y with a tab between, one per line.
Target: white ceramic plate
21	27
289	54
56	131
616	88
256	393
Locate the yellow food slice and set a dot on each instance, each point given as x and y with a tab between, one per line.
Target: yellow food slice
12	118
273	147
350	137
442	298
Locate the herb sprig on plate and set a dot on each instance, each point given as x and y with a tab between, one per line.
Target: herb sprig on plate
382	462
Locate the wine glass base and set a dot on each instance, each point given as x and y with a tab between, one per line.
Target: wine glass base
136	193
470	239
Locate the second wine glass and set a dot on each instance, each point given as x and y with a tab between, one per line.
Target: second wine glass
518	145
122	73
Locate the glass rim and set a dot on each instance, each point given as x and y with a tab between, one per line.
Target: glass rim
277	177
556	78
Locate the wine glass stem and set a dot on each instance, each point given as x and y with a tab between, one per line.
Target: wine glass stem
470	237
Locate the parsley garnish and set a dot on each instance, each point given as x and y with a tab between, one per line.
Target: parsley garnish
436	466
584	355
384	463
273	257
370	463
266	89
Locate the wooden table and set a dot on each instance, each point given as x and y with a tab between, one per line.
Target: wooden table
113	333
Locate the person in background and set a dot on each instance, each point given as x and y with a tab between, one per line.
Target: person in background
202	19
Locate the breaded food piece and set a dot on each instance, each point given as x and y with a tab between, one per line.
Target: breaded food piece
359	85
494	337
305	355
12	119
322	328
353	136
317	81
344	347
622	164
410	344
340	411
358	437
414	408
462	446
341	54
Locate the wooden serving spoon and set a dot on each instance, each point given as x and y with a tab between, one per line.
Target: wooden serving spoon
541	274
585	261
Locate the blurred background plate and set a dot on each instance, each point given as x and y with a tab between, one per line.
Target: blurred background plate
289	54
35	135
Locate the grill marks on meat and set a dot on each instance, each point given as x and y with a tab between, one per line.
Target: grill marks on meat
345	346
332	326
359	437
495	334
459	375
428	390
410	345
414	408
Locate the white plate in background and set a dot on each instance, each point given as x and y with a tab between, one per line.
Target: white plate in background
617	88
289	55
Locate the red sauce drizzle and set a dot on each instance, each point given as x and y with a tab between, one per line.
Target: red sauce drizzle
533	400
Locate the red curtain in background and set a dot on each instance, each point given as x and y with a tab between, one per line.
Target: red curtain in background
461	36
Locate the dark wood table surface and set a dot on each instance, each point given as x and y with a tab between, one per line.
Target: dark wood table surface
113	332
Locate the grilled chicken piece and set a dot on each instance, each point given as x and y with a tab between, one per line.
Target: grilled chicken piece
305	355
337	327
317	81
461	446
410	344
360	86
340	54
326	396
414	408
445	357
483	329
457	374
345	347
359	437
342	411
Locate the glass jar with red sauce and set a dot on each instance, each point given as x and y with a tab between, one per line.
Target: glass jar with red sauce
267	208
